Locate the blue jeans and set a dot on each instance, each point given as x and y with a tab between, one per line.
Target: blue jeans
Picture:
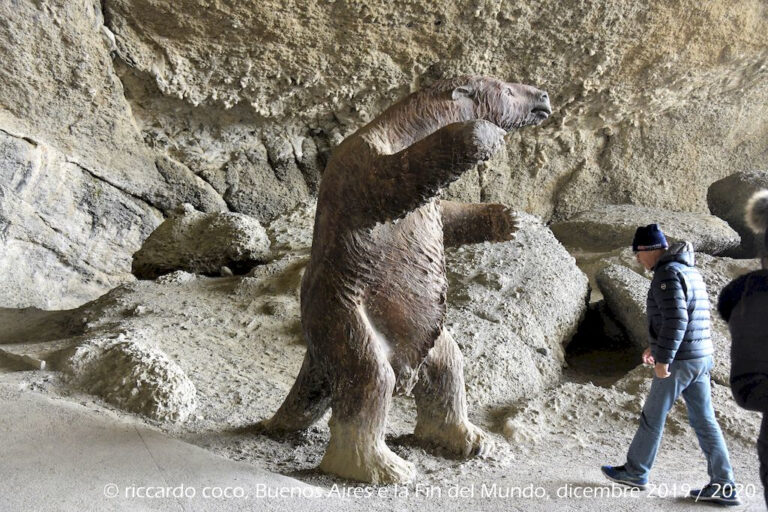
691	379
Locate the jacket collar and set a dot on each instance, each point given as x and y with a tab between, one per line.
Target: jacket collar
680	252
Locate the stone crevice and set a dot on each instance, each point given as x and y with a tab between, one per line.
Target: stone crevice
102	179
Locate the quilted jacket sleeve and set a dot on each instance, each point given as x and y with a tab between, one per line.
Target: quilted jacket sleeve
669	293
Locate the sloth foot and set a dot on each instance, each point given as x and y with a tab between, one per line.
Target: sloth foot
464	439
502	223
376	464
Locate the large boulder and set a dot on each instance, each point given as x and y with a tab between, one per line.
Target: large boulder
611	227
127	372
202	243
513	307
727	199
625	293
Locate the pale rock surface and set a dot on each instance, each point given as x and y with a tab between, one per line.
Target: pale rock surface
80	190
88	448
513	307
126	371
611	227
66	235
202	243
638	117
624	292
291	233
727	199
577	414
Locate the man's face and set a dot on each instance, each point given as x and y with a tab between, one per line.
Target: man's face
648	258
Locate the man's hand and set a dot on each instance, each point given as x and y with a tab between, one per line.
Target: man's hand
647	357
662	370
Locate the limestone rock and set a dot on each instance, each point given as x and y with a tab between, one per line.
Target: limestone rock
202	243
275	175
649	132
513	306
66	235
292	231
625	293
127	372
727	199
613	226
80	188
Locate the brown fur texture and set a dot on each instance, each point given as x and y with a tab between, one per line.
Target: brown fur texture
373	297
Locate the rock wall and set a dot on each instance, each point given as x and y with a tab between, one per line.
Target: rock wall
236	105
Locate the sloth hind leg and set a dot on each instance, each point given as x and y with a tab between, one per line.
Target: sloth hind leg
441	403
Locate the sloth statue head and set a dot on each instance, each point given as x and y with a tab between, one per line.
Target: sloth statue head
507	105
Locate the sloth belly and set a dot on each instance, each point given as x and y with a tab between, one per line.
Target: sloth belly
406	302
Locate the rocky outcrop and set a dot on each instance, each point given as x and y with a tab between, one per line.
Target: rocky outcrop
65	234
80	188
513	307
727	199
611	227
126	372
625	292
202	243
638	119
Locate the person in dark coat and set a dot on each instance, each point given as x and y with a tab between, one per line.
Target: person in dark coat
681	351
743	303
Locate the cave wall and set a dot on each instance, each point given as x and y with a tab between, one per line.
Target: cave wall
114	112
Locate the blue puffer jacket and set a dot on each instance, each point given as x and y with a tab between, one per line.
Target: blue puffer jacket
678	308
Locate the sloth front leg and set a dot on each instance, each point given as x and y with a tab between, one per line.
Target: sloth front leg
441	403
404	181
472	223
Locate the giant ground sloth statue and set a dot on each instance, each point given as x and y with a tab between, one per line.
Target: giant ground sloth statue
373	294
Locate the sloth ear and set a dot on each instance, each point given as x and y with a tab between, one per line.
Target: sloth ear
463	91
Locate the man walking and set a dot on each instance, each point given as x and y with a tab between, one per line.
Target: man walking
681	352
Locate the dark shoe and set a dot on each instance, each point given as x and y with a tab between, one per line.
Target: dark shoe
722	494
619	475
